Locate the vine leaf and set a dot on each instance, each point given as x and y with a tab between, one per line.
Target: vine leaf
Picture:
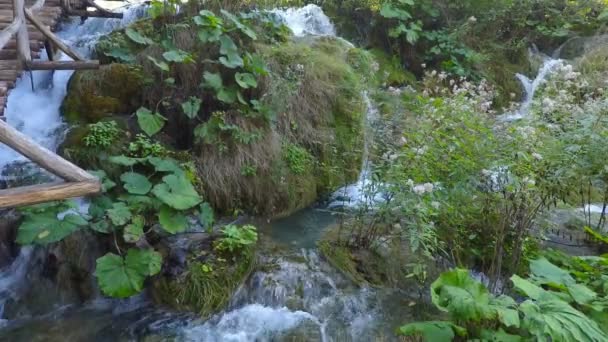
138	37
171	220
191	107
123	277
136	183
177	192
150	123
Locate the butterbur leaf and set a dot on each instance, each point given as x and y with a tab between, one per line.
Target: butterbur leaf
245	80
242	27
207	35
433	331
101	227
191	107
160	64
232	61
545	272
177	192
123	277
226	95
171	220
125	161
136	183
178	56
106	183
150	123
134	230
119	214
165	165
121	54
44	228
138	37
213	80
227	45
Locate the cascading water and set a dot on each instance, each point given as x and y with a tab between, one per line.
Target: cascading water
36	113
307	20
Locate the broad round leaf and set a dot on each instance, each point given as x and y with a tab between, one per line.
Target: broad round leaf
171	220
119	214
177	192
138	37
134	230
191	107
136	183
150	123
123	277
245	80
44	228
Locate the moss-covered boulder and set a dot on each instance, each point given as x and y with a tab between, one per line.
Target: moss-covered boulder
92	95
314	145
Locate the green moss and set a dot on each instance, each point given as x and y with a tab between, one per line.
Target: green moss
205	288
391	72
499	68
95	94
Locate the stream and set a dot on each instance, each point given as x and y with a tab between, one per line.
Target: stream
295	296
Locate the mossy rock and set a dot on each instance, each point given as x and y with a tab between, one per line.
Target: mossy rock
92	95
390	70
205	287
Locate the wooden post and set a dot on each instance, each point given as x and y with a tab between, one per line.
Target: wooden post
63	65
34	194
45	30
23	40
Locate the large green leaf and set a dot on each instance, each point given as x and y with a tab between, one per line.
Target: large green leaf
119	214
244	28
498	336
171	220
227	95
138	37
178	56
106	183
205	215
245	80
123	277
545	272
213	80
191	107
177	192
122	54
232	61
555	320
165	165
389	11
125	161
149	122
136	183
44	228
527	288
432	331
160	64
581	294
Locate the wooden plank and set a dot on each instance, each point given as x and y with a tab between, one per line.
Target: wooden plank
63	65
34	194
40	155
23	39
11	29
95	14
57	42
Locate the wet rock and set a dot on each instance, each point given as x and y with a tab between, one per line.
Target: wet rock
9	222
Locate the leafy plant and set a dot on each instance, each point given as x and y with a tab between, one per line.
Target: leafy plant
101	134
235	239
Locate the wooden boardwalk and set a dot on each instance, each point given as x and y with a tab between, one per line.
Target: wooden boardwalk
10	66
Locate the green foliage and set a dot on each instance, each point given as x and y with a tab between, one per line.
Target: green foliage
564	309
143	147
236	239
123	277
150	123
42	223
298	159
177	192
101	134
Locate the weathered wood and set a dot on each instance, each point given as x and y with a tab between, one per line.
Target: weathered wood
34	194
95	14
63	65
8	32
37	5
23	39
58	43
40	155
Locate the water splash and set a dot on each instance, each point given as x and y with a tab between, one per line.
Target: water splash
307	20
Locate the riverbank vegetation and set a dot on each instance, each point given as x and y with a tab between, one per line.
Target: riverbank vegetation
204	112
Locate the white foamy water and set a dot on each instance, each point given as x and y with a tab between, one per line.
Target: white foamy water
307	20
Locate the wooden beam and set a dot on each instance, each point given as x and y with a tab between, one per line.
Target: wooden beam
58	43
63	65
41	156
23	40
34	194
95	14
7	33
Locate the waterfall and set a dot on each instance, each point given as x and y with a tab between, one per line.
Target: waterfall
36	113
307	20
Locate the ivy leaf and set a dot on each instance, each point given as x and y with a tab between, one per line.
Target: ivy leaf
177	192
136	183
245	80
45	227
227	95
160	64
123	277
121	54
213	80
150	123
191	107
171	220
205	215
119	214
178	56
138	37
134	230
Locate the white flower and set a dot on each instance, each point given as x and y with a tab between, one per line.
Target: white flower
472	19
423	65
435	204
410	183
537	156
419	189
428	187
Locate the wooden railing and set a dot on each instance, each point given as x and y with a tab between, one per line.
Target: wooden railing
79	182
